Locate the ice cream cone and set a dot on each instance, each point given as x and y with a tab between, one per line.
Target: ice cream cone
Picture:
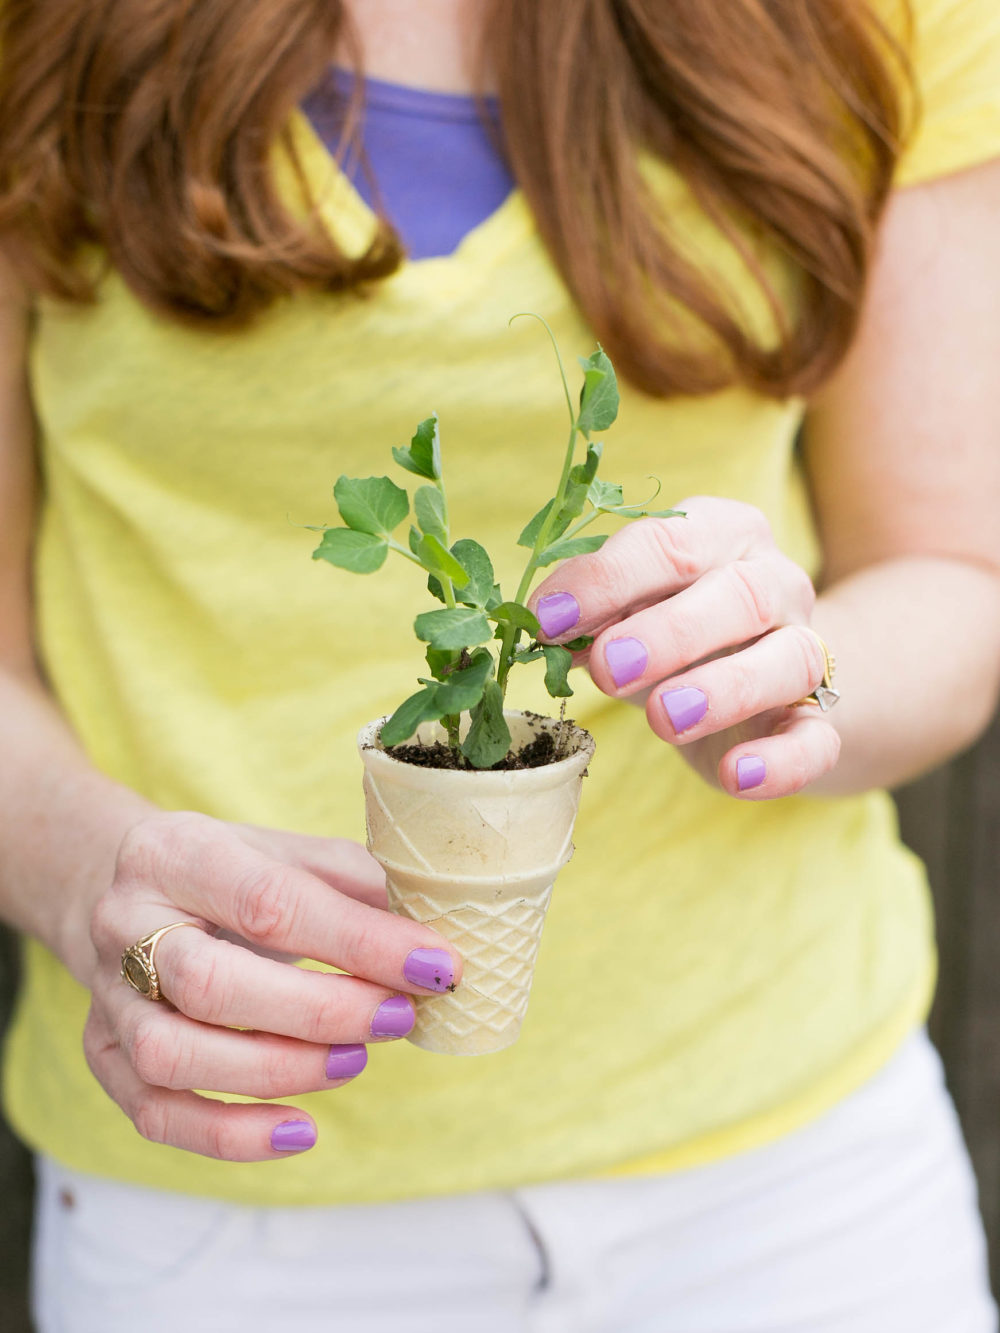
475	855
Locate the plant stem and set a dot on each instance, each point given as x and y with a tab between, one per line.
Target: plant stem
579	527
511	636
451	724
395	546
447	587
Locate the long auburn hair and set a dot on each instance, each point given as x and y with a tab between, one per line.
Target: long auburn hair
148	128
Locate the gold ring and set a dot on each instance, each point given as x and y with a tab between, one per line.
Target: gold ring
824	696
138	965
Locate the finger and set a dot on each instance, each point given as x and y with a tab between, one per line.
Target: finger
168	1050
233	1133
218	982
206	869
343	864
645	562
779	668
802	747
726	608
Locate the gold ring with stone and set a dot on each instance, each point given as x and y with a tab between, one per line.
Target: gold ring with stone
139	965
824	696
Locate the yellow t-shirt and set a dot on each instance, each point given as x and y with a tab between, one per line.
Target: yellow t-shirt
712	973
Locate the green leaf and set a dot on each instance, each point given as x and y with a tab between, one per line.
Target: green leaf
605	494
414	538
586	471
360	552
489	736
530	654
599	395
577	645
575	546
572	507
463	689
513	613
423	455
479	568
371	504
436	557
462	627
530	534
557	664
441	660
534	526
420	707
428	505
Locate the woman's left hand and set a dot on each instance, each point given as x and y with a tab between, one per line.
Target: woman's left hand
707	619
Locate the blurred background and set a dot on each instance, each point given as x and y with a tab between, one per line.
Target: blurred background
952	820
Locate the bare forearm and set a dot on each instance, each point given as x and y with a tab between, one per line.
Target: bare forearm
917	643
60	823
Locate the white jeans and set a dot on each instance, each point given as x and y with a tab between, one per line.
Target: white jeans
864	1222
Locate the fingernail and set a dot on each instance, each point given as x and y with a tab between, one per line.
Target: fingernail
430	968
750	771
626	659
684	706
557	613
393	1018
293	1136
346	1061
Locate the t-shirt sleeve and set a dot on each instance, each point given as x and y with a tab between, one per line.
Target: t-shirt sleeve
955	52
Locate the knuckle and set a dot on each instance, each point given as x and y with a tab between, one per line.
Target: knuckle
222	1140
680	636
802	770
194	985
150	1117
811	660
755	595
607	575
105	927
141	848
668	538
157	841
262	903
96	1045
371	948
742	690
803	589
833	744
816	753
153	1055
318	1024
758	522
280	1073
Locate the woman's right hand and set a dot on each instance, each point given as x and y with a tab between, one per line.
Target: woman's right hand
240	1018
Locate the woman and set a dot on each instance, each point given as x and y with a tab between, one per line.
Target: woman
722	1113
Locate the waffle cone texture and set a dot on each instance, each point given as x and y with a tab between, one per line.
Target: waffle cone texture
475	855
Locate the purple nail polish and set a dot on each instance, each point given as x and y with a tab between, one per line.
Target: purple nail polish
626	659
557	613
750	771
430	968
293	1136
346	1061
684	706
393	1018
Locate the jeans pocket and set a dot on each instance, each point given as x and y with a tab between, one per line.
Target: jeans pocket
102	1246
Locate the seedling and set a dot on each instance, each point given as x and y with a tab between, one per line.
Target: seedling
478	635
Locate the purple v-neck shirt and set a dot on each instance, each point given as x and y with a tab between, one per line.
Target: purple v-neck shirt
436	167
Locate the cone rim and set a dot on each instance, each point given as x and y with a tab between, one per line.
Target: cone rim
543	778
